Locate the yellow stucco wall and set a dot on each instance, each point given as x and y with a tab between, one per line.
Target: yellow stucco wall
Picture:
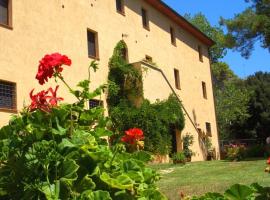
41	27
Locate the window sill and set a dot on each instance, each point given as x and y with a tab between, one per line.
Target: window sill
15	111
147	28
121	13
6	26
174	44
93	57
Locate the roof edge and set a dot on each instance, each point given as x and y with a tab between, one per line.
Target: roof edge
181	21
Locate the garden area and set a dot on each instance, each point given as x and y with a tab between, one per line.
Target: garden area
199	178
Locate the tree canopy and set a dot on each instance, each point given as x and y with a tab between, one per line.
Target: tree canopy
248	27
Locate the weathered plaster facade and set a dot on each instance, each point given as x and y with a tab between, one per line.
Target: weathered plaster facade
41	27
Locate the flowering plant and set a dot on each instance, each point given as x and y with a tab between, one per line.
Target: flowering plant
53	151
267	169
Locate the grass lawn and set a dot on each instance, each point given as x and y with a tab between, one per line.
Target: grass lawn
212	176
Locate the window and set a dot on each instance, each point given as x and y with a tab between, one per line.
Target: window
173	39
200	53
124	53
208	129
148	58
177	79
8	96
93	103
145	19
204	90
120	6
5	12
92	39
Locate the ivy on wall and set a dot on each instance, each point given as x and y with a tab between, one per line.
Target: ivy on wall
128	108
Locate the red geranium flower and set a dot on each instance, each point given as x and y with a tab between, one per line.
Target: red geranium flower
49	65
53	100
42	101
132	136
268	161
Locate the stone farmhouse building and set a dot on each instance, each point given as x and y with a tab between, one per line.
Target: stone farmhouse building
89	29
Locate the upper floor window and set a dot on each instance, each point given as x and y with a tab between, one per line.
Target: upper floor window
124	53
5	12
173	39
145	19
208	129
120	6
8	96
177	79
92	39
204	90
200	53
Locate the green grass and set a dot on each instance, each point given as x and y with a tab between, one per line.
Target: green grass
214	176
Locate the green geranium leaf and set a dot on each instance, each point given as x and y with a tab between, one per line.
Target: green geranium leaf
238	192
66	144
85	184
142	156
96	195
68	170
121	182
60	130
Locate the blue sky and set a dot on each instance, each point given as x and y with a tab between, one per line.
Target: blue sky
213	9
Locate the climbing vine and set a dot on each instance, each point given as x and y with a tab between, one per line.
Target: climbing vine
128	108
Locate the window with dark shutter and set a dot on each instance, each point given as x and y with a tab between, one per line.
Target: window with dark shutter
173	39
145	20
120	6
7	96
204	90
92	44
4	12
177	79
208	129
200	53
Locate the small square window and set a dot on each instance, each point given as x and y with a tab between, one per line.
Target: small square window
208	129
5	13
93	103
148	58
200	53
173	39
92	40
120	6
8	96
177	79
145	19
204	90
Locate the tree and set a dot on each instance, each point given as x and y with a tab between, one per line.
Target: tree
215	33
258	124
248	27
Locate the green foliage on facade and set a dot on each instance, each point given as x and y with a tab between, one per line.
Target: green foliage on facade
128	108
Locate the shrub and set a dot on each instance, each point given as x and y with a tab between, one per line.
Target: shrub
236	152
187	142
179	157
255	151
57	152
